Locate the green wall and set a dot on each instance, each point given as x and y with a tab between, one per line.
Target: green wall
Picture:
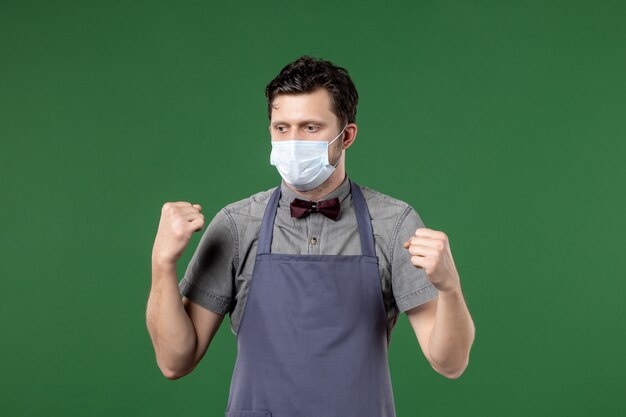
503	123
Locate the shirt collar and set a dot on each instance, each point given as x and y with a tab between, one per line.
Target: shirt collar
287	195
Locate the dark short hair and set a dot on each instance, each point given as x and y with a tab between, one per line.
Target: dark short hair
306	75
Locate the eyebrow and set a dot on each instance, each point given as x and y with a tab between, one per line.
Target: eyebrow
302	123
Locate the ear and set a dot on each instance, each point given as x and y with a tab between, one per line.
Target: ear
349	135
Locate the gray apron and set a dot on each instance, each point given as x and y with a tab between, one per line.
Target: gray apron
312	340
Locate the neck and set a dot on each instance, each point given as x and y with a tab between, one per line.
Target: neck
325	188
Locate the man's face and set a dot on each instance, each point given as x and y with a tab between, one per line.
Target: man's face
306	116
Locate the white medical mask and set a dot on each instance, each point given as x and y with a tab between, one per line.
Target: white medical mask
303	163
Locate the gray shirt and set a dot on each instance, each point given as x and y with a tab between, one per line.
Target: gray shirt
218	275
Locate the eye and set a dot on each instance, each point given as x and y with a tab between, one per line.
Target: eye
311	128
280	128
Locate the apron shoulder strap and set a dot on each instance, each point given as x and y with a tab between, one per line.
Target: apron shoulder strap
364	220
267	225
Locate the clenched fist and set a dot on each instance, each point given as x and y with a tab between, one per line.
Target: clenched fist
179	220
430	251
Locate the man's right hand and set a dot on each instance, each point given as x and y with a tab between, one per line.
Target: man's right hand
179	220
180	330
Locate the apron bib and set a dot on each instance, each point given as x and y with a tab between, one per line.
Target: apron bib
312	340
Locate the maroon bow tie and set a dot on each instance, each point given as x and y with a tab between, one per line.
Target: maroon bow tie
329	208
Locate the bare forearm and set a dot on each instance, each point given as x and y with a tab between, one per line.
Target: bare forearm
452	335
170	328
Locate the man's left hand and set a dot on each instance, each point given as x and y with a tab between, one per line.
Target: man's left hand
430	251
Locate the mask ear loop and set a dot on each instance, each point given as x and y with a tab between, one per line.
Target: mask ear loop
344	128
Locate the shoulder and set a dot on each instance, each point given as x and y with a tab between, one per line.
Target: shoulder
252	207
384	207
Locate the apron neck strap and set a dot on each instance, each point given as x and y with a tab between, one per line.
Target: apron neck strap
363	219
360	208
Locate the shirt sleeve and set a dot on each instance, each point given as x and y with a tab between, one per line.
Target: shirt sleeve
411	286
209	277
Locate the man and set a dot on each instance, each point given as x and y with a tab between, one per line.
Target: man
313	272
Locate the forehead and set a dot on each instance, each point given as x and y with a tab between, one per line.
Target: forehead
289	107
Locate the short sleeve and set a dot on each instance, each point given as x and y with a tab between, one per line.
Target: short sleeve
411	286
208	279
